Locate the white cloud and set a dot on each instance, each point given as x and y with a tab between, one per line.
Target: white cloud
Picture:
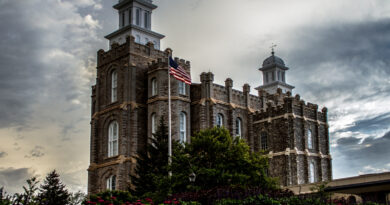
370	170
91	22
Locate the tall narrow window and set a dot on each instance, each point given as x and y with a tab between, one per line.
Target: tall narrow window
111	183
154	87
263	141
137	17
130	18
113	139
312	177
283	77
266	77
219	121
182	88
137	39
238	127
279	77
146	19
123	19
183	127
309	139
273	75
114	85
154	124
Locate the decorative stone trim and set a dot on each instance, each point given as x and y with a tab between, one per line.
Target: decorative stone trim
215	101
295	151
122	106
270	119
166	98
155	70
119	160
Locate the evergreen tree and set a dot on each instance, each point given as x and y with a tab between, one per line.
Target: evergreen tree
151	171
29	197
52	191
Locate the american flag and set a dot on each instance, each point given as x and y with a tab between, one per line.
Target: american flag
178	72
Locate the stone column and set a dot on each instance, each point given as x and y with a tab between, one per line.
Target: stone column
246	90
207	80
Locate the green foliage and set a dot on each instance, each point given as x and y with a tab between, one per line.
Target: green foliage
218	159
52	191
29	197
114	197
4	198
77	198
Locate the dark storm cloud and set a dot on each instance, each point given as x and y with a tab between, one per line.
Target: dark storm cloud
372	124
13	179
342	59
36	152
3	154
355	156
21	73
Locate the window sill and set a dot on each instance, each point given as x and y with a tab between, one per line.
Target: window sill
111	158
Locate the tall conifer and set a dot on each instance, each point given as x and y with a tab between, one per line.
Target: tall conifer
151	169
52	191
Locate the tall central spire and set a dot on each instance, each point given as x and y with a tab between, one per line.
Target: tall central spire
135	19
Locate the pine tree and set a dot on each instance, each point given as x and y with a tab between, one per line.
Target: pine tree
152	166
52	191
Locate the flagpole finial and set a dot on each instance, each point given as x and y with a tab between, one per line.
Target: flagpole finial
273	46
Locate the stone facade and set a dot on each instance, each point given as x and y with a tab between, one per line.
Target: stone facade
292	133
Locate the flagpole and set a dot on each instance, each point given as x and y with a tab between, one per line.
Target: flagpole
169	118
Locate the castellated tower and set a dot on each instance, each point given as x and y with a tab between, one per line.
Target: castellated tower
131	95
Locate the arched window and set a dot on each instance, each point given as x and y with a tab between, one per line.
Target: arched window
309	139
154	87
111	183
183	127
219	120
312	177
182	88
114	86
263	141
113	139
238	127
154	124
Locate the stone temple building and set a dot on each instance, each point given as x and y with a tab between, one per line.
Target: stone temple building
131	95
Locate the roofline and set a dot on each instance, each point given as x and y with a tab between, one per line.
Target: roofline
275	83
124	2
273	65
128	27
357	185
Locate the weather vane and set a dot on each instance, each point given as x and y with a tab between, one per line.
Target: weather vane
273	47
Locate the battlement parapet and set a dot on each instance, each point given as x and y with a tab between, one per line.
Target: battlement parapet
163	63
130	46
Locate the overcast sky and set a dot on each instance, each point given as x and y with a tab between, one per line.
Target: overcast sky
338	53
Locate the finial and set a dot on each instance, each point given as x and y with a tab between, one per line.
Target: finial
272	48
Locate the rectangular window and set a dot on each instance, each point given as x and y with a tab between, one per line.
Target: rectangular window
182	88
146	20
137	17
283	77
279	78
130	16
266	77
273	76
123	19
